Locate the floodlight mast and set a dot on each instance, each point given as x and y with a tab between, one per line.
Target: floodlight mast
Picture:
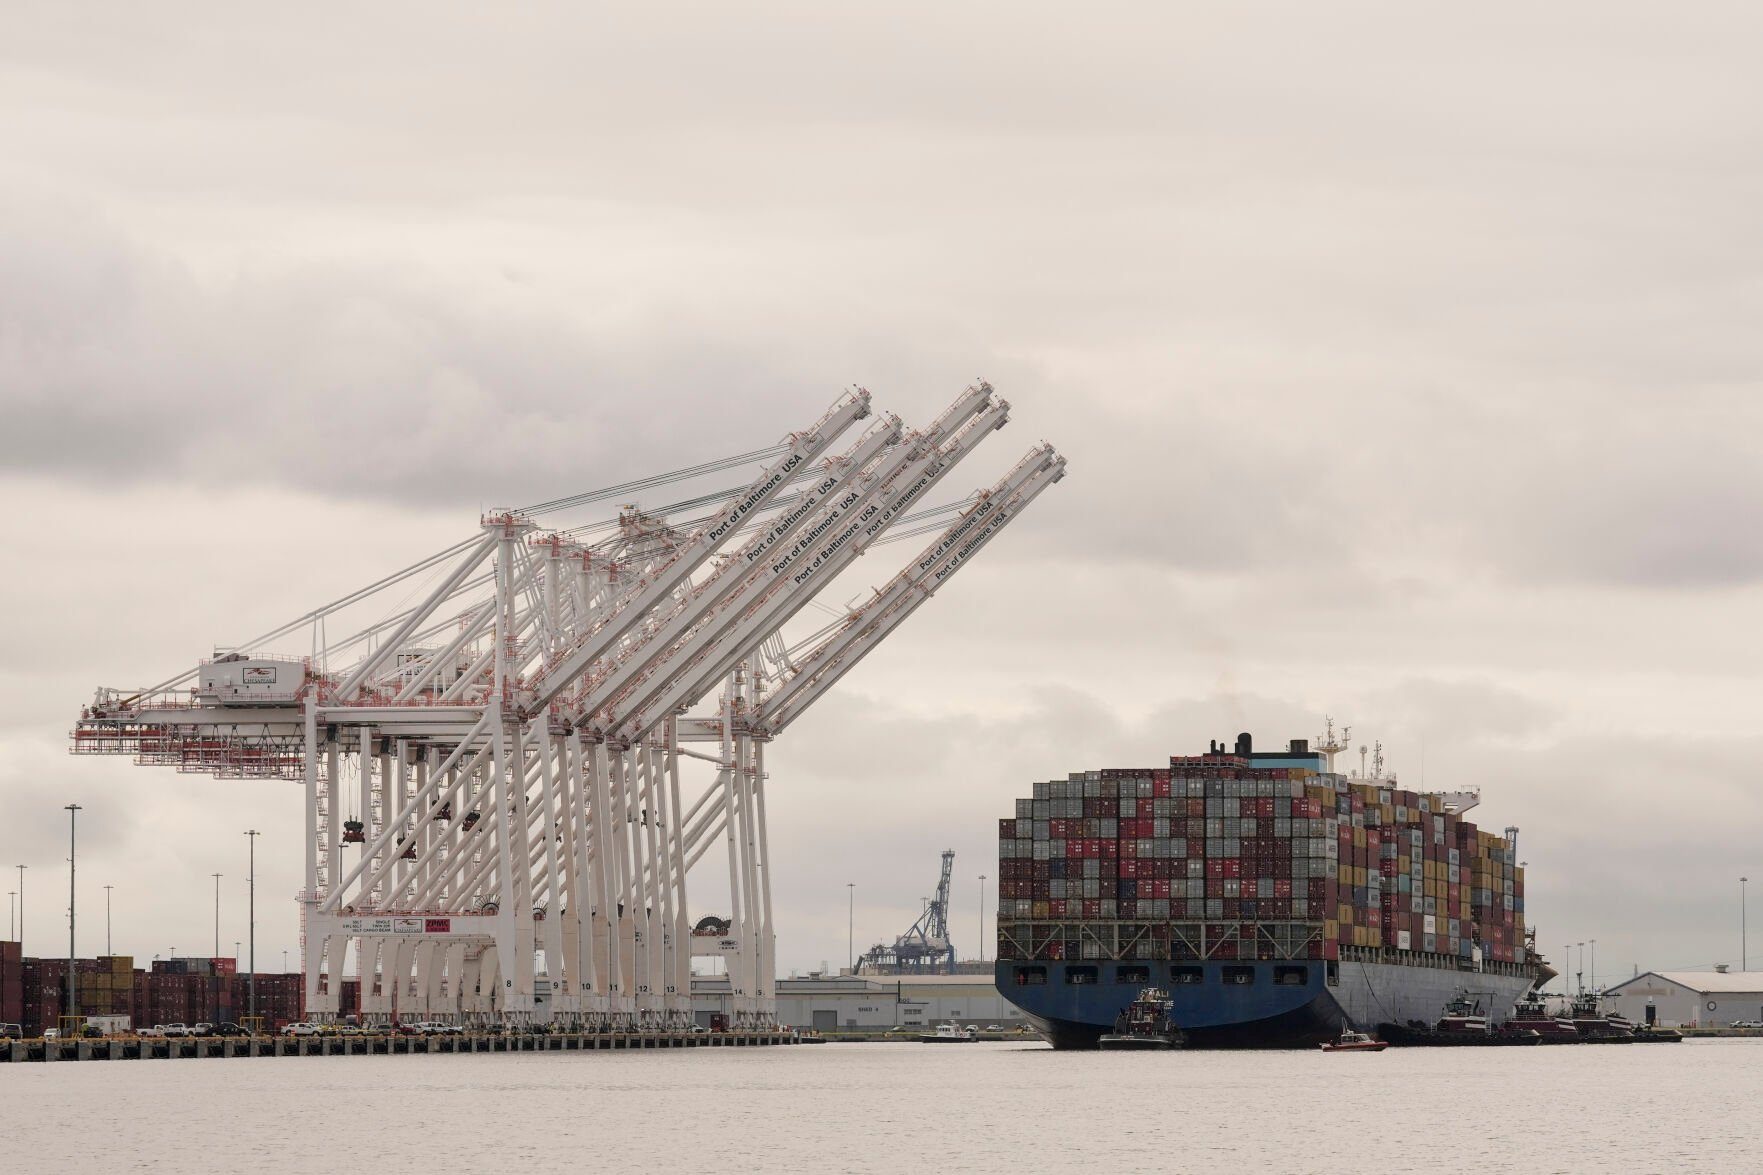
498	774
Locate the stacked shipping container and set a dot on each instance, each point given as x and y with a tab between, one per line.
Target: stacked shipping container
11	984
33	992
1216	858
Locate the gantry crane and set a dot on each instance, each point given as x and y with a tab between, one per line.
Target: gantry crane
925	948
494	774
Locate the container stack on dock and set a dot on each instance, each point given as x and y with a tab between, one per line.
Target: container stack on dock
11	983
33	992
1215	858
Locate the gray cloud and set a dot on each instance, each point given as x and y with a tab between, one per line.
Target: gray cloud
1406	364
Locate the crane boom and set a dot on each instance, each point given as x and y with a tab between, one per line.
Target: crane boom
804	449
795	583
737	575
871	624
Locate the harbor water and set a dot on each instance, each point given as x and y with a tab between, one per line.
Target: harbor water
894	1107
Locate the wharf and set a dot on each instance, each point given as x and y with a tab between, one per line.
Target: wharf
145	1048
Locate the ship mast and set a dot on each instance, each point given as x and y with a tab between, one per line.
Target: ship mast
1329	744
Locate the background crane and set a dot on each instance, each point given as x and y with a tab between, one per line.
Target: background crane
925	948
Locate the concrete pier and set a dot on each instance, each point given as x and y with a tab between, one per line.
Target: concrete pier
153	1048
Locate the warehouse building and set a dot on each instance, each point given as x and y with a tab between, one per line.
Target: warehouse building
873	1003
1681	999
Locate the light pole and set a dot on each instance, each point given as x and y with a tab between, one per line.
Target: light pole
284	962
851	927
982	917
21	910
1744	927
1580	974
107	951
1594	943
73	1003
217	915
251	983
12	914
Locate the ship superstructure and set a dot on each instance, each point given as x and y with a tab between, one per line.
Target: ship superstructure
1277	899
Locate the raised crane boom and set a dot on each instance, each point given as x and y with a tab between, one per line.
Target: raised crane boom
795	582
819	670
804	449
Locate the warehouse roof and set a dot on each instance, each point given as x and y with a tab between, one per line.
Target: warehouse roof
1717	982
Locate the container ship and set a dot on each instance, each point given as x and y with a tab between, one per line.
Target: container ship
1277	900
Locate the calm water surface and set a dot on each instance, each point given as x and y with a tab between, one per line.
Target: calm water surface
899	1107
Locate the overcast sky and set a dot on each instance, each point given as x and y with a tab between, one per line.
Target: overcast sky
1407	364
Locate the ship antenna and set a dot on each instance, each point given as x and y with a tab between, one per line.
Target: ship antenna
1362	749
1329	744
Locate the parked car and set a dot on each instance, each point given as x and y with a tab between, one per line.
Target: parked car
92	1032
202	1029
994	1028
300	1028
11	1032
174	1030
228	1029
153	1033
51	1034
1747	1024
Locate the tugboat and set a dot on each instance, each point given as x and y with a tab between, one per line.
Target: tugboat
1463	1023
1530	1015
1594	1026
1354	1042
1145	1024
948	1033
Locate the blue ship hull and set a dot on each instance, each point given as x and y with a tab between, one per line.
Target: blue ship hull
1228	1004
1211	1012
